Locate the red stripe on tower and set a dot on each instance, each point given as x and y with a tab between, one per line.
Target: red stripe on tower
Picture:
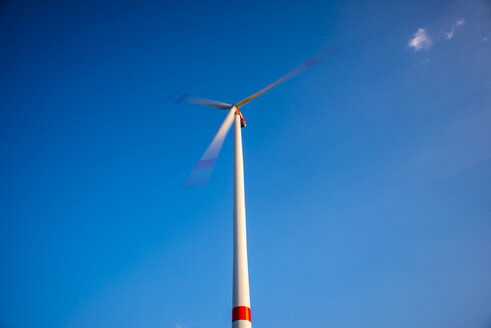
241	313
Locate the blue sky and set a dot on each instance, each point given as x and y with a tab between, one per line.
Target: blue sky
367	177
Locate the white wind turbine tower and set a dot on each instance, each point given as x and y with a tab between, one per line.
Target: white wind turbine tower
241	305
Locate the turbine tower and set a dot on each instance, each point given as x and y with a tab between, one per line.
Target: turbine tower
241	304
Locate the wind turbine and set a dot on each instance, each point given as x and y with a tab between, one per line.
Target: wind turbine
241	305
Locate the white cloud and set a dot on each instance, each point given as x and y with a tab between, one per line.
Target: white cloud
450	34
420	41
485	39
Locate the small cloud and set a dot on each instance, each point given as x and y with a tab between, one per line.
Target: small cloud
420	41
179	326
421	63
485	39
450	34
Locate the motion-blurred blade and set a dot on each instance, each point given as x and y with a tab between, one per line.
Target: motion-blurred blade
202	171
203	102
325	53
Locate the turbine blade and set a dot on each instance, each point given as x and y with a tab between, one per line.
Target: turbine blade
325	53
202	171
203	102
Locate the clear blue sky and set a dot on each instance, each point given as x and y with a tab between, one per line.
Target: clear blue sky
368	178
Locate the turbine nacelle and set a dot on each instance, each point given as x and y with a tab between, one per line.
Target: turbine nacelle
242	121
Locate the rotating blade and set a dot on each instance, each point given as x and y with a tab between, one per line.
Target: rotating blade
186	98
202	171
325	53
